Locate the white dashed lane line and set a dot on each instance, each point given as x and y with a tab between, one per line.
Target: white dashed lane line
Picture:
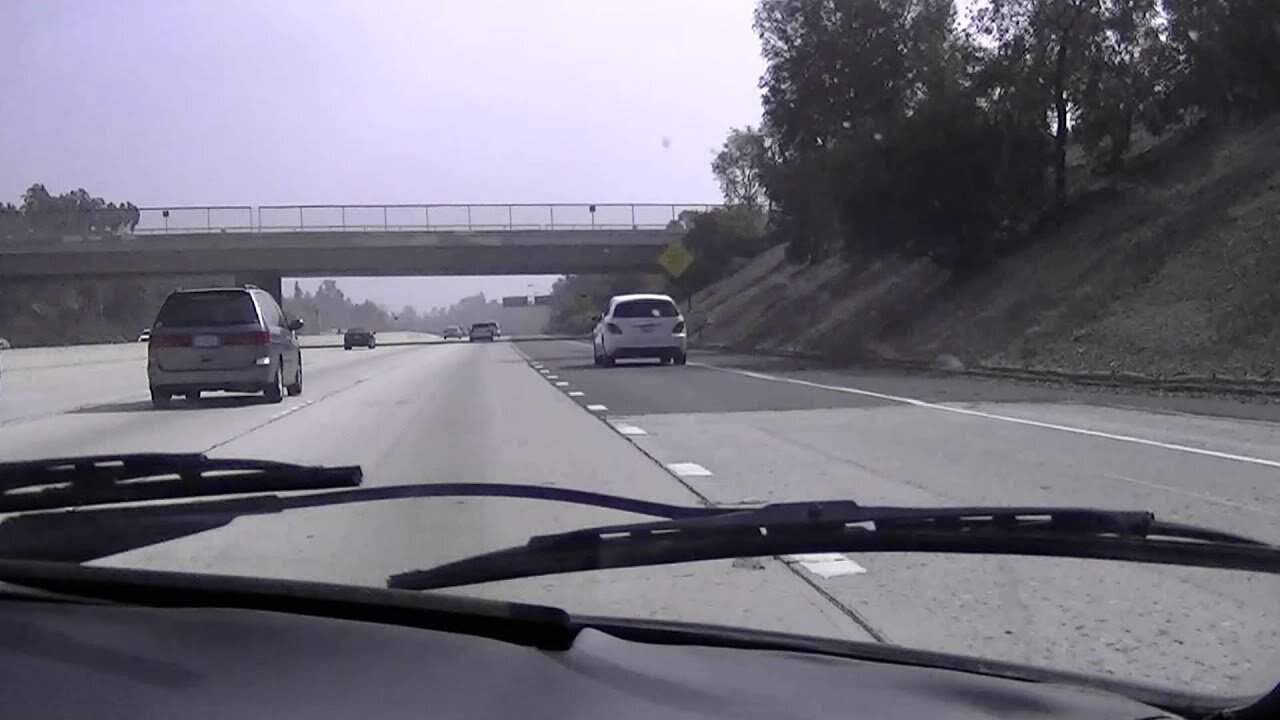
562	383
630	430
294	409
576	393
688	469
598	408
826	565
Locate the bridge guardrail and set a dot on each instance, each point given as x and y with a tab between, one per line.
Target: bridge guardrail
400	217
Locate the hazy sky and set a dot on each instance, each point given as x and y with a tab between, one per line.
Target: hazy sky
171	102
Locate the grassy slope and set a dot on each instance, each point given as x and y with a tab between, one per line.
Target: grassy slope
1172	269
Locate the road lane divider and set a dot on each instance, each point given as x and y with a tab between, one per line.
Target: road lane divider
808	569
310	402
826	565
688	469
629	430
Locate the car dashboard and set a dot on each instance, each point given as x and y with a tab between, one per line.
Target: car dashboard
100	661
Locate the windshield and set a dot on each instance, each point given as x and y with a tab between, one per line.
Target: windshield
917	254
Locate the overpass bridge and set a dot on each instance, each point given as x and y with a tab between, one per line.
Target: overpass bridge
265	243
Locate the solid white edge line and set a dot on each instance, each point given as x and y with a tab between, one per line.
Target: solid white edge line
1003	418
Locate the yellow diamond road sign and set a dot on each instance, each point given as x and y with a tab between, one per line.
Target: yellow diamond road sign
675	259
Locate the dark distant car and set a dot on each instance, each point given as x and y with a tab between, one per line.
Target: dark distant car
358	337
453	332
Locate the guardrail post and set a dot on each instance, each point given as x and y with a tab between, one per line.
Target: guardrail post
343	211
468	217
426	215
633	217
384	217
301	224
552	208
208	219
509	226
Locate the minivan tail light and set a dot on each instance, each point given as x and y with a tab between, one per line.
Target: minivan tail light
171	341
679	328
613	328
260	337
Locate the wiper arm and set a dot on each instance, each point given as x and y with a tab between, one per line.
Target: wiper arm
84	534
99	479
797	528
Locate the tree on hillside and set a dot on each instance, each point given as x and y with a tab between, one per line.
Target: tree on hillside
890	126
738	168
82	309
1227	52
1054	40
1122	84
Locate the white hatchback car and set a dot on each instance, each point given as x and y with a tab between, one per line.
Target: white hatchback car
640	326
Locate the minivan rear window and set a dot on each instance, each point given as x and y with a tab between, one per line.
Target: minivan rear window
233	307
646	309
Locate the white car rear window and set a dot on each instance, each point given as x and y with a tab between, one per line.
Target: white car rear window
646	309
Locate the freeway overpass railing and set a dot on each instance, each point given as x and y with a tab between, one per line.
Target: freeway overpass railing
359	218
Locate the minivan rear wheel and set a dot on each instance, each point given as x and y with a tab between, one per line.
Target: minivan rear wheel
296	388
274	392
160	399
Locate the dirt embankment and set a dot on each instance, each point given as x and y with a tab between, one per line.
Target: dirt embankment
1171	269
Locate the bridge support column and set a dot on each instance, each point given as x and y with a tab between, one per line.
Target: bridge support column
269	281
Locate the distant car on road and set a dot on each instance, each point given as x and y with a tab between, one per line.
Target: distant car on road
145	335
484	331
358	337
234	339
497	329
640	325
453	332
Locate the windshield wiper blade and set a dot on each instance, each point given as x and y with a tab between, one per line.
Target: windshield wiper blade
100	479
84	534
798	528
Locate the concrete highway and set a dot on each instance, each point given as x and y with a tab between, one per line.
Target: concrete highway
724	430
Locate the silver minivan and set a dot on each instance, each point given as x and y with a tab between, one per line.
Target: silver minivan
230	339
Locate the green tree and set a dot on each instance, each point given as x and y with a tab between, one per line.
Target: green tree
1124	79
739	166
